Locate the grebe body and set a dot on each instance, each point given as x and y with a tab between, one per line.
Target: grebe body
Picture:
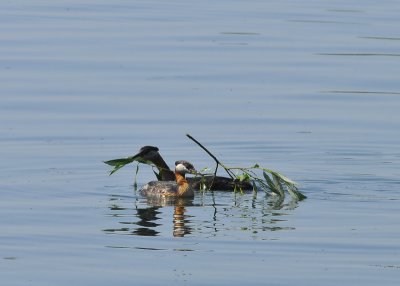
178	188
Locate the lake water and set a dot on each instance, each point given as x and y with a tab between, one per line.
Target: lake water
309	88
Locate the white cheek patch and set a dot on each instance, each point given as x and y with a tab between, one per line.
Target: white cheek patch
180	168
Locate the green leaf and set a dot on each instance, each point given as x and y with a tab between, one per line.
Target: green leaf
296	194
205	169
116	168
119	163
135	181
283	178
271	184
254	186
243	177
278	185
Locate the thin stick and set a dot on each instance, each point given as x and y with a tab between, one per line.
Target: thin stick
213	179
212	156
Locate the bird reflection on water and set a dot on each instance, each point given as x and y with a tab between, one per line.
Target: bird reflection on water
147	222
148	217
181	221
215	214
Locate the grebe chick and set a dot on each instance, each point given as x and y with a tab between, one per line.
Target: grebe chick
178	188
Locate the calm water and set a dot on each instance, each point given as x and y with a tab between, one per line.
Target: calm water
311	89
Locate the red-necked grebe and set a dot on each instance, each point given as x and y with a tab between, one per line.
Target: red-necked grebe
178	188
150	154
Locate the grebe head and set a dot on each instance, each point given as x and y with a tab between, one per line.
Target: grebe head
183	167
147	154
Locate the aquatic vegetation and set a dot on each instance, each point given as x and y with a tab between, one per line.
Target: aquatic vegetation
260	178
270	181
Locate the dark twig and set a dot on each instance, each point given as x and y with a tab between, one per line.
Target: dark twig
212	156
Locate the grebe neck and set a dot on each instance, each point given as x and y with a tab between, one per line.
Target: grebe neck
165	172
183	185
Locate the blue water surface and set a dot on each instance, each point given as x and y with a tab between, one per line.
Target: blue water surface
308	88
